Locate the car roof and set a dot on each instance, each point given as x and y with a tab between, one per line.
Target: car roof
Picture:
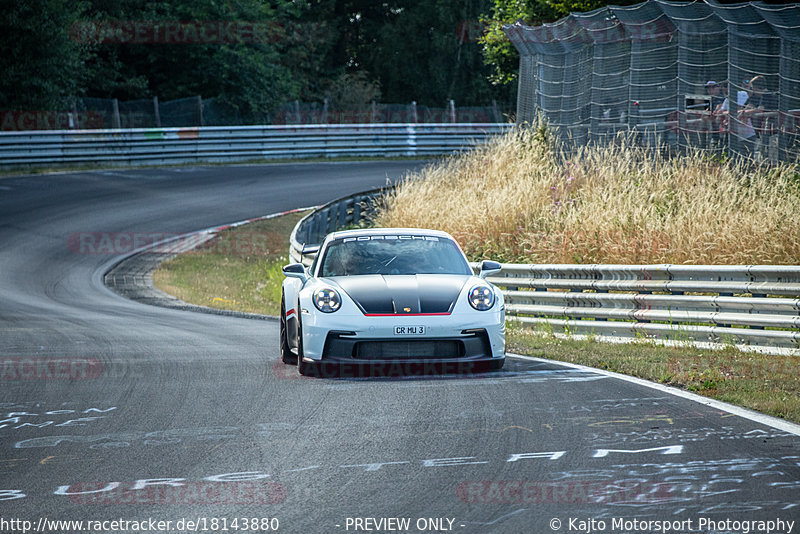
387	231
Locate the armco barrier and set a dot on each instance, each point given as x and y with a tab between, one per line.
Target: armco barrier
757	305
341	213
741	304
237	143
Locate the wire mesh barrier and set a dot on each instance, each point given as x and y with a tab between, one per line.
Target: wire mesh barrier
719	78
106	113
375	113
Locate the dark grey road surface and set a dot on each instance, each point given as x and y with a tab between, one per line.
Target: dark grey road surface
115	410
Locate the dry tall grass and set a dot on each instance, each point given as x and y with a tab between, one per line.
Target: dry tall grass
520	200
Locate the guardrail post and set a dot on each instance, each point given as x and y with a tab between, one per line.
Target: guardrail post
411	140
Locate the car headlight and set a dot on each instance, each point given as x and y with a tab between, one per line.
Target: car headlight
481	297
327	300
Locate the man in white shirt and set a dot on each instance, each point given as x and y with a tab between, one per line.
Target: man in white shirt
743	129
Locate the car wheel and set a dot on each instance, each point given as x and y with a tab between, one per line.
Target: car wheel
286	354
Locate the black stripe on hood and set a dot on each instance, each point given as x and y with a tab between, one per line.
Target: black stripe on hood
403	294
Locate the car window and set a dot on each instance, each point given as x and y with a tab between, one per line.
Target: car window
393	254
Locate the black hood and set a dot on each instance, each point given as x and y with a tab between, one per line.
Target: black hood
403	294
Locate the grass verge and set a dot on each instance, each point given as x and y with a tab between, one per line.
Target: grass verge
241	270
764	383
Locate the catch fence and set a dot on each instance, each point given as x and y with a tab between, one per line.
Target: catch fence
719	78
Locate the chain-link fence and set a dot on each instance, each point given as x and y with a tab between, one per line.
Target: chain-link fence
96	113
719	78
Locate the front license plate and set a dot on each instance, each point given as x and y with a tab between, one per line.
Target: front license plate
409	330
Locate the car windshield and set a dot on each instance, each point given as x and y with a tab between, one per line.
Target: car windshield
393	254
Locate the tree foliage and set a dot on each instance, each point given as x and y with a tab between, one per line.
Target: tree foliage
40	64
396	50
498	51
244	72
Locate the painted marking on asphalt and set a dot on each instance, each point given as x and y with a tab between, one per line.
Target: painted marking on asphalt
477	379
304	469
773	422
517	427
631	421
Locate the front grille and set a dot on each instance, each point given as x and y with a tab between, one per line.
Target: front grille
412	349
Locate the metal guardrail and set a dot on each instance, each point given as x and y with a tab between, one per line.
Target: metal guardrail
757	305
142	146
349	211
740	304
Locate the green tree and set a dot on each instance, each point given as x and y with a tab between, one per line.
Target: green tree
429	52
422	50
242	69
498	51
40	64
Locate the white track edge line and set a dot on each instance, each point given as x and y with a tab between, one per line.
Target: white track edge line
745	413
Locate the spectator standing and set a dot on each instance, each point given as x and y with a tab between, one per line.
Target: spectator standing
760	102
713	90
741	126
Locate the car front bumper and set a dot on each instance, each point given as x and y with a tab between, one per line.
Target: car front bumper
465	339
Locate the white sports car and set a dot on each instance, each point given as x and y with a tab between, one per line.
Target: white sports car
401	298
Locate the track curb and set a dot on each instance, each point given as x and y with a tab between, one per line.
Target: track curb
132	276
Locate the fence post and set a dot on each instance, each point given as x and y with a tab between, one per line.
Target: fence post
414	117
115	122
325	111
200	110
157	112
452	107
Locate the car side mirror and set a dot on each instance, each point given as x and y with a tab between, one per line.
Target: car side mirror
296	270
489	267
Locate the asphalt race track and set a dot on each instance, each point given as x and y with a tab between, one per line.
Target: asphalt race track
116	410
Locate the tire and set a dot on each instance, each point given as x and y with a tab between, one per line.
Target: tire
304	368
287	356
